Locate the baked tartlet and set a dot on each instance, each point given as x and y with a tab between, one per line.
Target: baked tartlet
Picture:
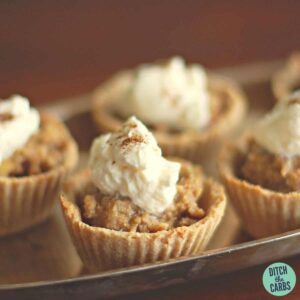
189	112
287	79
37	153
261	172
134	207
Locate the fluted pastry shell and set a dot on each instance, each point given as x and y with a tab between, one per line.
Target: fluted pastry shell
263	212
26	201
102	249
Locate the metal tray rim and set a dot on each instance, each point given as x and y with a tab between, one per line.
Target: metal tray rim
150	266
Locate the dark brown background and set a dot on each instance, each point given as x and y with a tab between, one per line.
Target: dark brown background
53	49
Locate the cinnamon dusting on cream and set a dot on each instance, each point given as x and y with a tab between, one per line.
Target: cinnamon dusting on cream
129	163
135	139
294	101
6	117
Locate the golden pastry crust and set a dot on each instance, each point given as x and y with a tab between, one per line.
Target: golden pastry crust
269	170
228	104
263	212
101	248
287	79
114	212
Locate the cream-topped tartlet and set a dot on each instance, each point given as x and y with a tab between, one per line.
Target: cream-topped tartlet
135	206
37	152
262	171
188	109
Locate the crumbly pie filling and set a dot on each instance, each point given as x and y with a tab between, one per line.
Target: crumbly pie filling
117	213
43	152
259	166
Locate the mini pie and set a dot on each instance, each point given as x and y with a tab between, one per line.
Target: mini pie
287	79
112	233
227	106
261	172
133	206
31	178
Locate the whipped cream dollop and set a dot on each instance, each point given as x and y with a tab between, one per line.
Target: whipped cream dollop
279	131
17	123
130	163
171	93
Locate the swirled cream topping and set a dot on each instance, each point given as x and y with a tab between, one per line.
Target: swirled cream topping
17	123
279	131
172	93
130	163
